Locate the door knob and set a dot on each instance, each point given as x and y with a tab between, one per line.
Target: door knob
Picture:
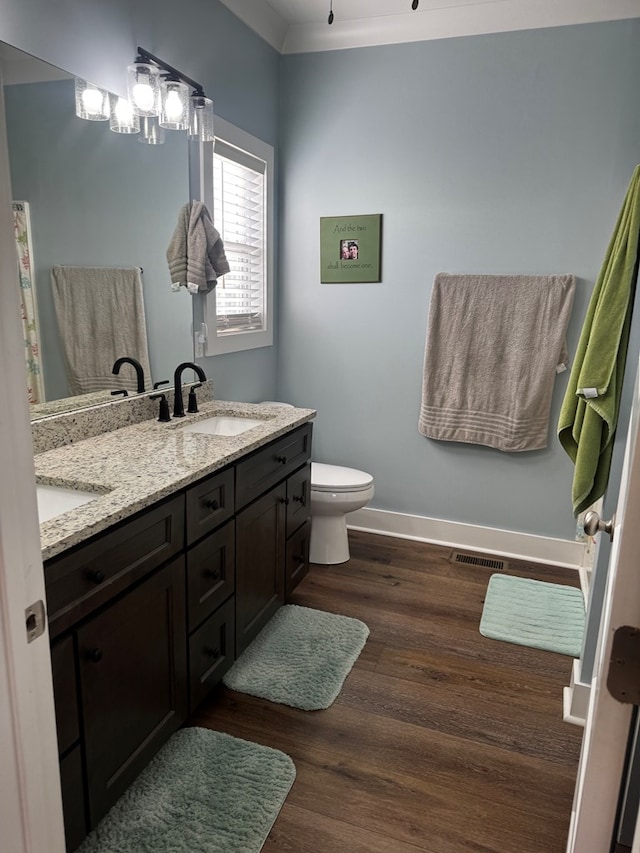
594	524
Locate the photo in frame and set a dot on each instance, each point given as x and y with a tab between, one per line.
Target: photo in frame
350	248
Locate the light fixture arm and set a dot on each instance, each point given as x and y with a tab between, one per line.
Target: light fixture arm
174	74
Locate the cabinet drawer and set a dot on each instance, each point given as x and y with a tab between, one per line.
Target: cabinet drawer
209	504
299	498
73	799
211	652
65	691
272	463
211	574
297	558
80	581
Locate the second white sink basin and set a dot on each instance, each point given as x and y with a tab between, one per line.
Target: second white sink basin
223	425
54	500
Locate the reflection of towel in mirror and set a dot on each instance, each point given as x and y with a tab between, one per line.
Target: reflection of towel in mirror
101	317
195	254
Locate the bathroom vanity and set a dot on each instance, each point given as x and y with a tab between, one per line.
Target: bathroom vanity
148	613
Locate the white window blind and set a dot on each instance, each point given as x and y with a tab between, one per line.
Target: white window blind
239	214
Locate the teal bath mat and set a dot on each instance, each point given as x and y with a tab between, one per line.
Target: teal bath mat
533	613
204	792
300	658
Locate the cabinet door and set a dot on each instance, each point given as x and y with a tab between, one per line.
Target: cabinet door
211	576
211	652
299	497
260	555
133	685
297	558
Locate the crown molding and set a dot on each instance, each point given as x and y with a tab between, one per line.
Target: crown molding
494	16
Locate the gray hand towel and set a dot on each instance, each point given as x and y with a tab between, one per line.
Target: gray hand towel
196	254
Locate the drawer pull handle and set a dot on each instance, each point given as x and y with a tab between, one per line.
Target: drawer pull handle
211	504
212	653
96	575
214	574
95	655
281	459
299	558
284	501
299	499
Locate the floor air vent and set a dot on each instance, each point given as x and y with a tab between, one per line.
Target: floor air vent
474	560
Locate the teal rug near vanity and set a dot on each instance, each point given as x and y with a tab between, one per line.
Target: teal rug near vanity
533	613
205	791
300	658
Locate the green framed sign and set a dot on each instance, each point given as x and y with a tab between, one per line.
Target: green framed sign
350	248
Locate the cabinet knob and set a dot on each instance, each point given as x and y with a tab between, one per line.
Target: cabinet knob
214	574
96	575
281	459
95	655
211	504
284	501
299	558
299	499
212	653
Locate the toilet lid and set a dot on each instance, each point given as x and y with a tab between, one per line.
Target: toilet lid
335	478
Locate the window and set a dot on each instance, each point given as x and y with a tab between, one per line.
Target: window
239	311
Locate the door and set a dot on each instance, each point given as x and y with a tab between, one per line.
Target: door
30	803
607	726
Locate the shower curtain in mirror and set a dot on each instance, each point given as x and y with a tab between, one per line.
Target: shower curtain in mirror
22	232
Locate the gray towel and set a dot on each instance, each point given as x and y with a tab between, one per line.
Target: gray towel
195	253
494	345
101	317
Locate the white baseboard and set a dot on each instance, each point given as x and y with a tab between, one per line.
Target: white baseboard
575	698
487	540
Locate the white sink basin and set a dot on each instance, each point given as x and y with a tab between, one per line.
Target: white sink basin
54	500
223	425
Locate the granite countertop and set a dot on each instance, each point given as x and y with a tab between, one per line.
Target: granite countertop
133	467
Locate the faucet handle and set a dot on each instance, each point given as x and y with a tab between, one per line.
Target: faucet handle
158	384
192	406
122	391
163	412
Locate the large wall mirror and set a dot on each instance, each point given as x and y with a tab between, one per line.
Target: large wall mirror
92	198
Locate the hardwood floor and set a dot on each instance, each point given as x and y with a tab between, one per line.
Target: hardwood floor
441	740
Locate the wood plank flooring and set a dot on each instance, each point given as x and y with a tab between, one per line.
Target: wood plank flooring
441	740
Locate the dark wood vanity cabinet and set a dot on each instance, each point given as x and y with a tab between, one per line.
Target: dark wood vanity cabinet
147	617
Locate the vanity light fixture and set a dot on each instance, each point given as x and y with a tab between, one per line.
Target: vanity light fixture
150	131
92	103
201	118
143	86
174	105
123	118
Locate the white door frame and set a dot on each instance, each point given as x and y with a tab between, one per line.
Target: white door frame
608	721
30	801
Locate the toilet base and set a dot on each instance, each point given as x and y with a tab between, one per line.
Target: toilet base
329	543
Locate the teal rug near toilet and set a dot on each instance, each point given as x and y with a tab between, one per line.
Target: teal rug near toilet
300	658
205	792
534	613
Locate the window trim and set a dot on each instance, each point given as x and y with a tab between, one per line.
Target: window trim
245	340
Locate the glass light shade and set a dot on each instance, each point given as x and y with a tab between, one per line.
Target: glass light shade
143	87
174	105
150	131
123	119
201	119
92	103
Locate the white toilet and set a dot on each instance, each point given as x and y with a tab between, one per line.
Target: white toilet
335	491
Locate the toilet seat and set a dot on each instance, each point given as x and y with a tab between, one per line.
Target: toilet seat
336	478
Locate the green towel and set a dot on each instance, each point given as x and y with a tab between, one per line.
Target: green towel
589	412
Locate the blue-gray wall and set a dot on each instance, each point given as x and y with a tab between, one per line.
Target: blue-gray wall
205	41
507	153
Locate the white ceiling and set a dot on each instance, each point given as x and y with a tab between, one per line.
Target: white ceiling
300	26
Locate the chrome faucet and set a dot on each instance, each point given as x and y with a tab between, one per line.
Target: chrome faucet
137	366
178	402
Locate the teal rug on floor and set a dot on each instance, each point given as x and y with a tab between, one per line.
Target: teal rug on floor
533	613
300	658
204	792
